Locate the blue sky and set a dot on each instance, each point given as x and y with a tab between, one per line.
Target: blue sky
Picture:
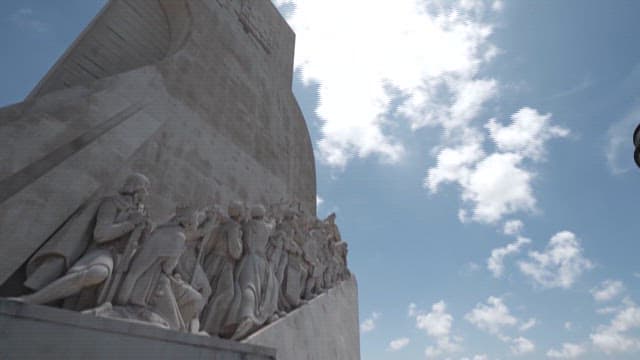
477	153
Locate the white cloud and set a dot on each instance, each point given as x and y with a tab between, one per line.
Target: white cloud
468	269
521	345
499	183
568	351
369	324
559	265
319	201
425	58
607	290
512	227
527	134
24	19
568	325
607	310
476	357
491	317
437	324
528	324
495	263
499	186
454	165
398	344
412	310
614	338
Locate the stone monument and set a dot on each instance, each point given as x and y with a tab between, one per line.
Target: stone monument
157	195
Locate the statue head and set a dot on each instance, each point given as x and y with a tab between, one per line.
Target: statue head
331	219
187	217
235	209
137	186
258	212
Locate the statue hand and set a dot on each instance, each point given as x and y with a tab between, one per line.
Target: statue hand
137	218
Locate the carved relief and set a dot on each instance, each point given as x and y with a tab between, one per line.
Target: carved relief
204	271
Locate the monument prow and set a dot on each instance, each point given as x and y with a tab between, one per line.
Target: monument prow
162	173
214	120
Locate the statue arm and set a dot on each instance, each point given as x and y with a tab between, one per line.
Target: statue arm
106	230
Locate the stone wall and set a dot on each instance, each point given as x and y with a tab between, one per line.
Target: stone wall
325	328
39	332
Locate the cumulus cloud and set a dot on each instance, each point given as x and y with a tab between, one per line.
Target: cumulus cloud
607	290
494	317
568	351
422	67
559	265
496	184
491	317
527	134
512	227
369	324
614	337
495	263
437	324
424	59
521	346
398	344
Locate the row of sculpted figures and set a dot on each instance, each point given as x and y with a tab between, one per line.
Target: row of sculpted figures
205	271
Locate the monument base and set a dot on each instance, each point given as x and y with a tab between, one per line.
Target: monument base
325	328
40	332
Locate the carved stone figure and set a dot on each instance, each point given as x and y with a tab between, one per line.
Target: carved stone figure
223	250
295	274
153	282
201	272
281	243
312	254
257	285
89	248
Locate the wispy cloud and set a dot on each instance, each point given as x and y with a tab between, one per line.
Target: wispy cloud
619	147
568	351
398	344
528	324
25	19
607	290
583	85
369	324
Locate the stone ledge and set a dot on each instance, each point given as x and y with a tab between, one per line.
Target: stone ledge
30	331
